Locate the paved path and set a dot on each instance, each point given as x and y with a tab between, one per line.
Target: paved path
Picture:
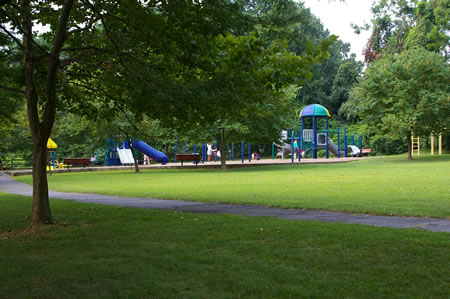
9	185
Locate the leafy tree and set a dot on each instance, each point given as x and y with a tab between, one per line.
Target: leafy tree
404	24
405	93
12	97
347	76
319	87
161	58
89	42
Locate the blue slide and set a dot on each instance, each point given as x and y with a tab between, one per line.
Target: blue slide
150	151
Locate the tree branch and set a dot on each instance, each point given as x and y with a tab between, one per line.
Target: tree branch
81	49
22	31
68	61
21	91
54	63
87	27
15	39
104	93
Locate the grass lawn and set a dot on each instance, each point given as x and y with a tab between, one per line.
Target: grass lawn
387	185
111	252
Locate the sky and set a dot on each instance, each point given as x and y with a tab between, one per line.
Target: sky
336	16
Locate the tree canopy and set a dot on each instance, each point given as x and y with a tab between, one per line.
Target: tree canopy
405	93
167	60
401	25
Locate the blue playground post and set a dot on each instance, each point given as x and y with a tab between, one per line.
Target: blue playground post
338	144
215	146
249	153
314	138
242	151
327	150
203	152
195	148
185	147
302	125
292	147
176	148
299	147
273	151
232	151
345	142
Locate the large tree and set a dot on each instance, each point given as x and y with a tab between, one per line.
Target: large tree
405	93
398	25
81	43
109	56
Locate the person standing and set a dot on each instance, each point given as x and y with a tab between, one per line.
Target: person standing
296	149
209	151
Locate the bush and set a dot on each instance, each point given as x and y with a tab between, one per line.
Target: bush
389	146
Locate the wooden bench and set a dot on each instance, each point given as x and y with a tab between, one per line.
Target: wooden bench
188	157
366	151
77	161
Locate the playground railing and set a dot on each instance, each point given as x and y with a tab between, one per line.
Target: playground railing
16	163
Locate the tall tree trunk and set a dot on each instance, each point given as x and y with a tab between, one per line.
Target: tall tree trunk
136	162
40	130
221	139
41	213
409	146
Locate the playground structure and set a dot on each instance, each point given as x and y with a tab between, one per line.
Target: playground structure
415	143
51	147
150	151
311	139
120	154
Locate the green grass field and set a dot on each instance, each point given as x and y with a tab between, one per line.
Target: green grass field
386	186
111	252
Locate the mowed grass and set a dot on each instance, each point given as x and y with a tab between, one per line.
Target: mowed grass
386	186
111	252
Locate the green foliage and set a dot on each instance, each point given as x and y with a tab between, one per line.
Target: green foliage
12	98
406	24
388	145
404	93
323	87
16	141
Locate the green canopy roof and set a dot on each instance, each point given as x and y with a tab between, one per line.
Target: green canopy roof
314	110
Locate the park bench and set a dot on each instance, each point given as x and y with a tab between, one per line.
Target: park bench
188	157
366	151
77	161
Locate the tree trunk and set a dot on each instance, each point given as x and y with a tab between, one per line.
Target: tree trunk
409	147
41	213
221	140
40	130
136	162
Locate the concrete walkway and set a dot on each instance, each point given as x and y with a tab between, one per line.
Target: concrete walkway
9	185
